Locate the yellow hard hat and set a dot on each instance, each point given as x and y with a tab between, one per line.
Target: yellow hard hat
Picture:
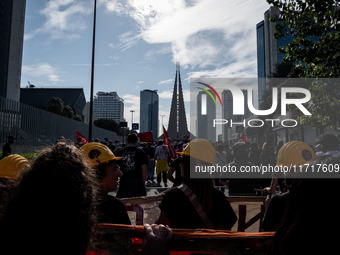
200	149
294	153
12	166
98	153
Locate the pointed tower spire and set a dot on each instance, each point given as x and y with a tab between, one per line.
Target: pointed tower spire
177	119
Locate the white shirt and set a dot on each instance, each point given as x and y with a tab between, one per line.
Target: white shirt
161	152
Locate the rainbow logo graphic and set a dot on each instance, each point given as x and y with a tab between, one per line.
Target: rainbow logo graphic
208	92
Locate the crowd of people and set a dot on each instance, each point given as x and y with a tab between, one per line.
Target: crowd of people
56	200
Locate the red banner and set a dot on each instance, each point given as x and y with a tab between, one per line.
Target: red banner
168	143
146	137
243	138
83	139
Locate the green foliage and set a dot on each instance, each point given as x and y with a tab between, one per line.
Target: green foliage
55	105
29	156
67	112
316	49
307	20
77	118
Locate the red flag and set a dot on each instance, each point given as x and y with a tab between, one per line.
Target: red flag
83	139
243	138
146	137
168	143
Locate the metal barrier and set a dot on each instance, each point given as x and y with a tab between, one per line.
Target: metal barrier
33	126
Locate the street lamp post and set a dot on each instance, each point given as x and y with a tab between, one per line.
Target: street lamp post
160	131
132	111
162	119
92	68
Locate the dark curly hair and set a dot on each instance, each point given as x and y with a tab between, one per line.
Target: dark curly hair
53	209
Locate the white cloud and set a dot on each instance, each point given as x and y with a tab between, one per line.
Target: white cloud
126	41
63	19
42	70
166	81
206	34
151	54
141	82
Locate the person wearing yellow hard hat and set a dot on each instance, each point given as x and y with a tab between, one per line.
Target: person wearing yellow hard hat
11	168
291	155
196	203
101	158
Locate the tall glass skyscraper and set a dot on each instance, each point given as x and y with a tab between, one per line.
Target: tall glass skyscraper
149	110
12	19
261	62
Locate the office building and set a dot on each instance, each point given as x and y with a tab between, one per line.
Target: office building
205	125
12	20
108	105
227	112
149	110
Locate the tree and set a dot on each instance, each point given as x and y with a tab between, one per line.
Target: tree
55	105
67	112
315	26
316	50
77	118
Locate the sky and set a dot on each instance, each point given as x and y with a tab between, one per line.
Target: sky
137	45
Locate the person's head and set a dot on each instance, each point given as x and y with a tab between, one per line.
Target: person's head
110	142
220	148
53	207
160	142
294	153
253	146
11	139
265	148
318	147
11	168
199	152
96	140
328	141
104	162
106	139
132	139
240	150
79	139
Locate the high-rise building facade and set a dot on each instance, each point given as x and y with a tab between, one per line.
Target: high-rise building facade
12	19
149	110
205	123
227	111
108	105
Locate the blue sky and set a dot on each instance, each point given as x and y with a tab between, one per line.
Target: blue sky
137	45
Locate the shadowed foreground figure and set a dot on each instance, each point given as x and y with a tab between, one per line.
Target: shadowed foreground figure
52	210
310	223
